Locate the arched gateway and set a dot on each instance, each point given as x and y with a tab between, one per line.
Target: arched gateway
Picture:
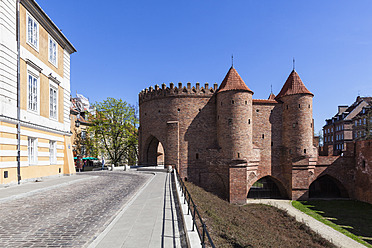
267	187
154	152
327	187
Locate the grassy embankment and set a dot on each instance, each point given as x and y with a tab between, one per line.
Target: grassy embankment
352	218
252	225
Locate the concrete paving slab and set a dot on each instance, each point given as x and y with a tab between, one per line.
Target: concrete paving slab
149	220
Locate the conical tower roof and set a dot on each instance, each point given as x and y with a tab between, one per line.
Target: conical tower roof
233	81
272	96
293	86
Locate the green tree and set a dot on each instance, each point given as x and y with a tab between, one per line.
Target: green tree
114	126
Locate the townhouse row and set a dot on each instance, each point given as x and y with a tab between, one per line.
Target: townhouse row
34	94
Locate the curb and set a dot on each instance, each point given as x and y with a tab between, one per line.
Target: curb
192	237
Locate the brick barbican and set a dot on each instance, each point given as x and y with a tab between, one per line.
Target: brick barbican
226	142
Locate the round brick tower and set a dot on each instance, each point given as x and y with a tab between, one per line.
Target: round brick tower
297	114
234	117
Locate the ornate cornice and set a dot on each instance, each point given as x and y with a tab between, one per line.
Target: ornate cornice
37	12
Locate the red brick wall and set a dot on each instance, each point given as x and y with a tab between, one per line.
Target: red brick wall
195	110
234	124
363	174
238	181
297	125
267	136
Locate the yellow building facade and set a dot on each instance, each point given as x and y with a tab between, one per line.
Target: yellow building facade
35	136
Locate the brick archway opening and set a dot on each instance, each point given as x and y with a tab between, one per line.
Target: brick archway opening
327	187
267	188
154	152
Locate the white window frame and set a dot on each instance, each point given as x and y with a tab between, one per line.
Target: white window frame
33	95
52	152
32	32
32	150
53	114
53	55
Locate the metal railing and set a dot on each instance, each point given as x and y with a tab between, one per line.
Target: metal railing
198	223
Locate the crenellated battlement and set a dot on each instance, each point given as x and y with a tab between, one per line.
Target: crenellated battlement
174	91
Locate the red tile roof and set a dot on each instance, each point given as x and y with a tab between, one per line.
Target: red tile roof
233	81
293	86
272	96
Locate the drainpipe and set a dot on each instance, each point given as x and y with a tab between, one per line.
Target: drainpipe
18	98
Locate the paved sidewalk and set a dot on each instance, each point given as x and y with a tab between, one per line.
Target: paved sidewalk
327	232
148	220
28	188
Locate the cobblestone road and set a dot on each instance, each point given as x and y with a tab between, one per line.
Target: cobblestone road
69	216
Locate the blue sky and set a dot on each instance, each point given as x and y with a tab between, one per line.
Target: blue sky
126	46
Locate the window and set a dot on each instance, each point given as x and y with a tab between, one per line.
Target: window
32	151
32	92
32	32
53	52
53	103
356	123
363	164
52	152
83	134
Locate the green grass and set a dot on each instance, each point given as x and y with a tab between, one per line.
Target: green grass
352	218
